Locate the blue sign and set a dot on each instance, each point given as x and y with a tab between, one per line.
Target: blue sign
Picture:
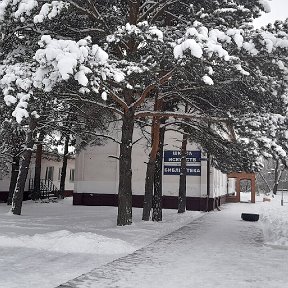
175	170
175	156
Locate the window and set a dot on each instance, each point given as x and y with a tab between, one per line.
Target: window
49	173
59	173
72	175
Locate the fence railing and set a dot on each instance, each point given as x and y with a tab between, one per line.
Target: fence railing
47	188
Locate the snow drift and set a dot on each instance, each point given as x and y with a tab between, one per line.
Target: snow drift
274	219
64	241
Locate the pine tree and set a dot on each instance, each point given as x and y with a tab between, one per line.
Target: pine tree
128	50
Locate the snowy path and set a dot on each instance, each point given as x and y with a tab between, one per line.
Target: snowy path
51	243
217	250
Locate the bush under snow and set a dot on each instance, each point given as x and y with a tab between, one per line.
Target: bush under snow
274	219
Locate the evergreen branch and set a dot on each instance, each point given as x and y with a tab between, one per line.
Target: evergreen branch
167	114
162	9
118	100
149	10
78	97
92	5
84	10
87	30
151	87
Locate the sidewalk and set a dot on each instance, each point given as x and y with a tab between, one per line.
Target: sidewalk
216	250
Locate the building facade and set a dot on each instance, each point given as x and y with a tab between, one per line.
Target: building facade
97	175
50	170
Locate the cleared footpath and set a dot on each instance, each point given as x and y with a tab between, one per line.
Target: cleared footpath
216	250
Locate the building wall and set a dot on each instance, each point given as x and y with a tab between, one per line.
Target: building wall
4	182
56	164
231	186
97	174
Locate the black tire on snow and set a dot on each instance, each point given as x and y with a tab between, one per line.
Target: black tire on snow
250	217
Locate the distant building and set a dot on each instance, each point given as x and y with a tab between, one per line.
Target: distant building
50	171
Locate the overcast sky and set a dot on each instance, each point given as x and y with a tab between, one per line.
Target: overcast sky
279	10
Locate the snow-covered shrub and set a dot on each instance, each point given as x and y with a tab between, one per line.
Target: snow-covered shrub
274	220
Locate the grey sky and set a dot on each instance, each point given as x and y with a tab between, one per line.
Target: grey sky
279	10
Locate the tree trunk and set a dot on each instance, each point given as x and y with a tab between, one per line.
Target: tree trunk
148	196
183	174
277	177
265	181
64	167
38	161
13	180
125	171
133	11
150	172
23	171
157	199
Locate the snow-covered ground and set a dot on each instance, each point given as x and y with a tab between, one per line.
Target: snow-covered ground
52	243
217	250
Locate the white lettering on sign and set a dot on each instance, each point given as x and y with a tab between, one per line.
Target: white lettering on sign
191	159
188	159
178	153
190	170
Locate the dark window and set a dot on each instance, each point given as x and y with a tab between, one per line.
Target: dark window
72	175
59	174
49	173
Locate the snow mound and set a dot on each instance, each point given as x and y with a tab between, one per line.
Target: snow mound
64	241
274	220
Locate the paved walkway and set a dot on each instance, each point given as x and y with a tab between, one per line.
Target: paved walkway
216	250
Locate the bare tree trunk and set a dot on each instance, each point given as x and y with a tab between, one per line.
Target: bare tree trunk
157	200
14	176
277	176
265	181
150	172
148	196
183	175
23	171
64	167
133	11
125	171
38	161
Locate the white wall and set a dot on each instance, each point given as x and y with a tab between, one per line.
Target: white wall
4	182
219	183
69	185
231	186
96	172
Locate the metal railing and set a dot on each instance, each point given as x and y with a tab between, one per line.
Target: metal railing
47	189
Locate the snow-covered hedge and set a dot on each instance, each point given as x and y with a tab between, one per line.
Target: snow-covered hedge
274	218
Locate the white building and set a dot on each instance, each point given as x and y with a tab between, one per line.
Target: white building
97	175
50	170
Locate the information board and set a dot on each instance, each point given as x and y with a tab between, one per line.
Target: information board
174	156
175	170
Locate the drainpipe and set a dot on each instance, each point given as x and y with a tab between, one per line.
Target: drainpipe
208	173
208	181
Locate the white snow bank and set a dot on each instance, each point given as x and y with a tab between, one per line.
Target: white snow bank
274	219
64	241
52	237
